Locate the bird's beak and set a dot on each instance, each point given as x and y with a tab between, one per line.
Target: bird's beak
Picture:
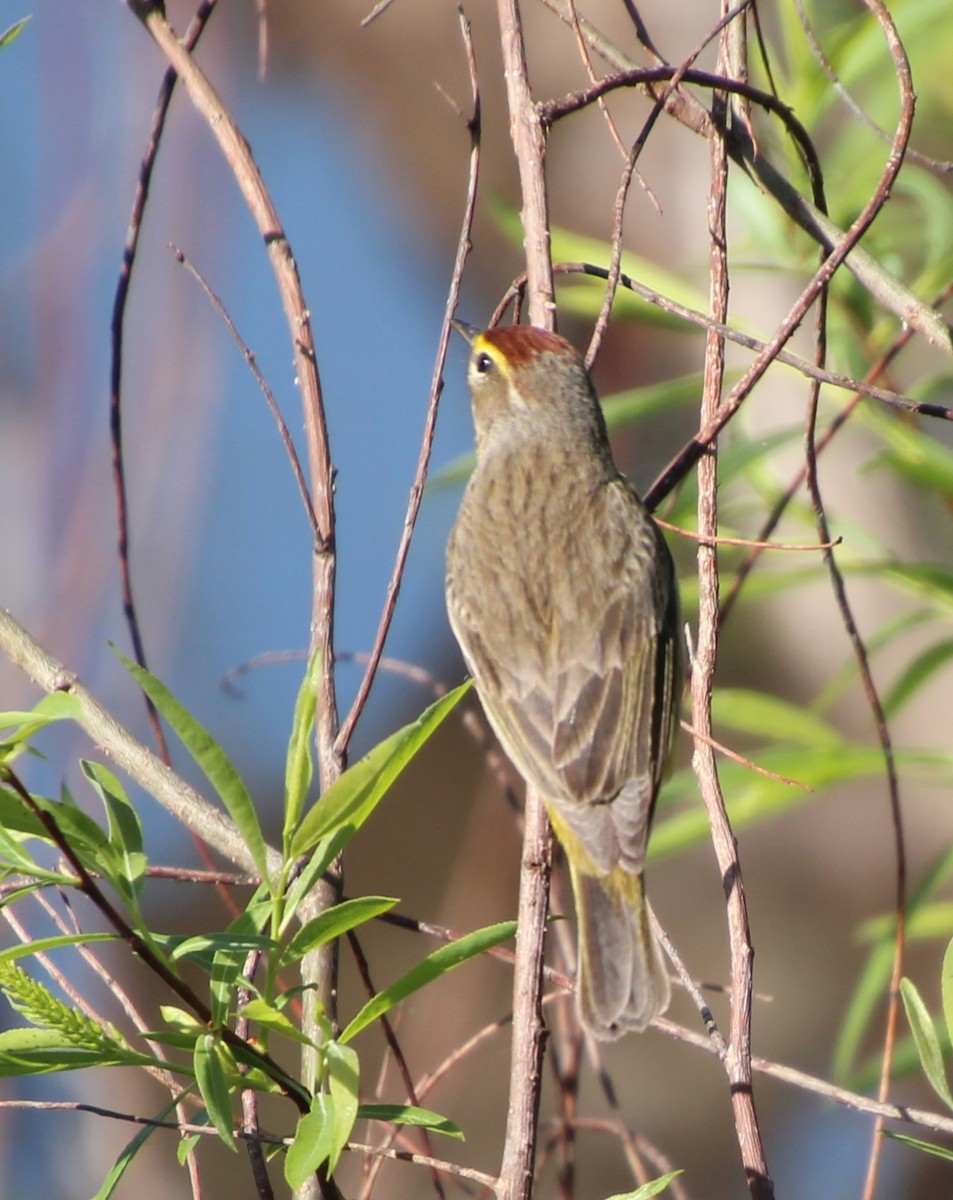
467	332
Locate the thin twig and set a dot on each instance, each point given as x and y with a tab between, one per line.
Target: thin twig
885	287
898	151
615	241
283	431
810	370
242	164
394	1047
436	387
448	1168
820	444
130	250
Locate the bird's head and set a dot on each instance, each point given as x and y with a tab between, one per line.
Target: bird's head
524	379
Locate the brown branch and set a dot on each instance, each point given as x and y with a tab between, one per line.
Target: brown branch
519	1151
811	1083
529	144
318	969
737	1059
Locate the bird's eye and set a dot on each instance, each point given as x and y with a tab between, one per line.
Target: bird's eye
483	364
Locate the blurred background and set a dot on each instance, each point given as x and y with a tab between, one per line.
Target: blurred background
367	164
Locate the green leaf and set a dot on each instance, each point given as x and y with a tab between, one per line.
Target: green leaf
298	766
432	967
210	756
918	1144
54	706
584	293
313	1142
333	922
130	1150
647	1190
269	1016
41	945
126	864
353	797
238	942
928	1045
125	831
408	1114
946	989
12	32
213	1084
315	866
344	1075
916	673
764	715
30	1051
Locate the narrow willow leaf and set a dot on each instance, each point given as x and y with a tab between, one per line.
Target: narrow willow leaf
210	756
298	766
653	1188
55	706
313	1141
764	715
332	923
122	860
12	32
213	1085
946	989
265	1014
432	967
918	1144
202	946
130	1150
53	943
353	797
918	672
125	831
323	855
344	1077
928	1045
30	1051
409	1114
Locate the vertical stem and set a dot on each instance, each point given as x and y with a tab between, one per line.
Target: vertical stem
519	1152
738	1056
529	1033
529	143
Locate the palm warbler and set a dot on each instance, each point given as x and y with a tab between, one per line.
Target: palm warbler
562	595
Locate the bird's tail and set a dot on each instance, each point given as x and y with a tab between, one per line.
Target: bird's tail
622	981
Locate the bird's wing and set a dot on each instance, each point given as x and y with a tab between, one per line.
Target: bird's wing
584	703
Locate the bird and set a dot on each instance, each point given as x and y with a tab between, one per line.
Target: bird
562	595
